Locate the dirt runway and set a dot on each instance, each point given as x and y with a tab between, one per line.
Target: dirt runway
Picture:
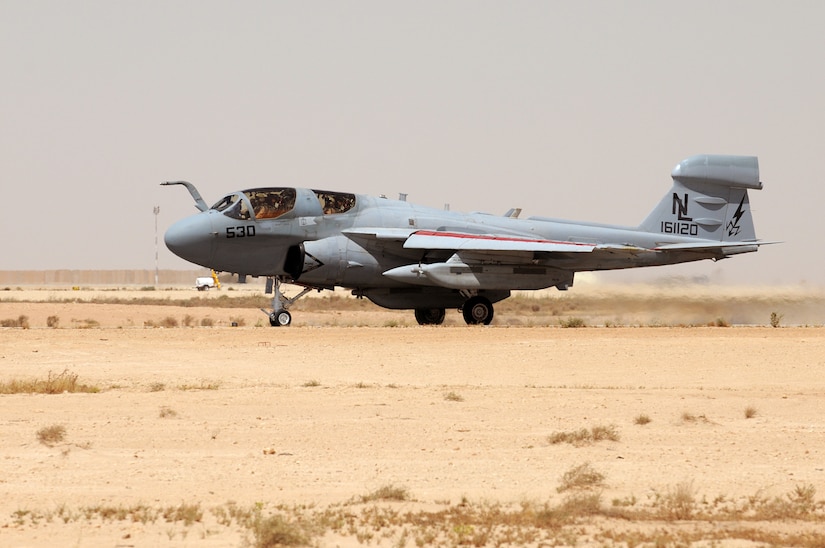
319	415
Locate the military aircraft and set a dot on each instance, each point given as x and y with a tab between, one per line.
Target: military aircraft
403	256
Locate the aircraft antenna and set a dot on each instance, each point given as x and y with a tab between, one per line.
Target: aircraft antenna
156	211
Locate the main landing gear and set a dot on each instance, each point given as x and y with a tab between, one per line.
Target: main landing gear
429	316
280	316
476	310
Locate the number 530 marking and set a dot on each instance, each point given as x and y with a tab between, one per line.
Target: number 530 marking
240	231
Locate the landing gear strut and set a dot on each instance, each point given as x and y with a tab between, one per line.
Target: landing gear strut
280	316
477	310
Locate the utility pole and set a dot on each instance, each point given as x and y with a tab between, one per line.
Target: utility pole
157	211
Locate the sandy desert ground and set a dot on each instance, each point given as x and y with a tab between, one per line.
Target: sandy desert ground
197	434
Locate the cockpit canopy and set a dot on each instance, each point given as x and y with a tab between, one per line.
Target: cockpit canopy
271	203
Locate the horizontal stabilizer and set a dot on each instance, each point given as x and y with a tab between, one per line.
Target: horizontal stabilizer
459	241
708	246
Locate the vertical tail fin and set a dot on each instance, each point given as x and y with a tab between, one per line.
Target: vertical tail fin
709	199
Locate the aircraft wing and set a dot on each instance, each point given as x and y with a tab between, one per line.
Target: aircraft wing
460	241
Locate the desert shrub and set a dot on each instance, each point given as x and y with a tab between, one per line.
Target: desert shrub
276	530
169	321
583	476
53	322
312	383
51	435
452	396
88	323
21	321
750	412
157	387
237	321
572	322
187	513
188	320
776	319
207	322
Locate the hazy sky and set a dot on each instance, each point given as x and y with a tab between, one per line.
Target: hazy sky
573	109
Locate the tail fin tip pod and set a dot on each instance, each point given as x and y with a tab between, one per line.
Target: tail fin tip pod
708	200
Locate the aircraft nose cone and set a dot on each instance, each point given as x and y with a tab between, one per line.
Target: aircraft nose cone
191	239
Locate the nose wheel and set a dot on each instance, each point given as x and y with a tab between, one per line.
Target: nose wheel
280	319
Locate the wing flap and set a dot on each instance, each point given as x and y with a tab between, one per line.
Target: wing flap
460	241
380	233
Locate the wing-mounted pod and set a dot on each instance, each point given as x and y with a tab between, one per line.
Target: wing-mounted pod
457	274
199	202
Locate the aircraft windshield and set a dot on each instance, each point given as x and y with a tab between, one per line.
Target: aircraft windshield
335	202
270	203
232	206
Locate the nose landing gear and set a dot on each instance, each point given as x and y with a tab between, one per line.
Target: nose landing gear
280	316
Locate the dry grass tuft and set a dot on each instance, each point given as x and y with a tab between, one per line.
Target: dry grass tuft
678	503
642	420
750	412
572	322
203	385
583	436
51	435
672	518
690	418
52	384
167	412
387	493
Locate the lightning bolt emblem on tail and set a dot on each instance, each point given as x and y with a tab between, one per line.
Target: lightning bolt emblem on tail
733	225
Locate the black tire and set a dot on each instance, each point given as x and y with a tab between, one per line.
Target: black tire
280	319
477	310
430	316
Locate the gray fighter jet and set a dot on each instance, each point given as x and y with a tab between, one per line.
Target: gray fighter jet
403	256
